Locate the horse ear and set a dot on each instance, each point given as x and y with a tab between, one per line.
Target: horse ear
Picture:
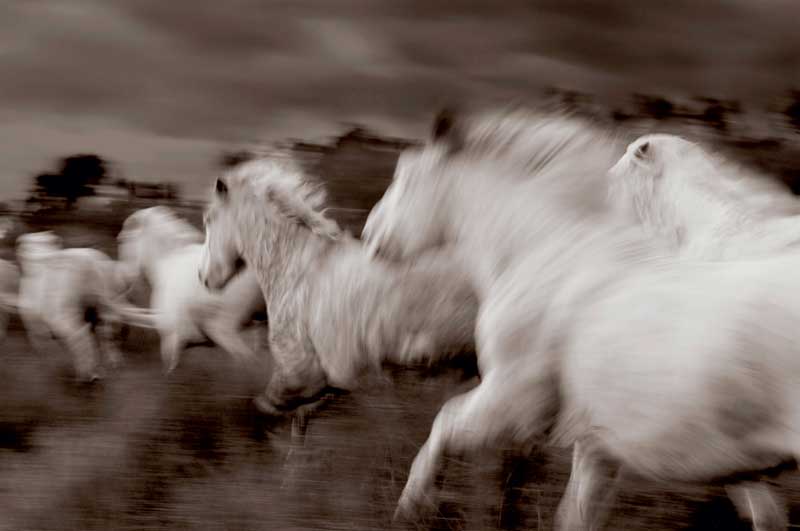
299	212
221	189
446	129
643	151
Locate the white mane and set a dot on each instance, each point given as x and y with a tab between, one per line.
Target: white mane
538	173
279	174
527	144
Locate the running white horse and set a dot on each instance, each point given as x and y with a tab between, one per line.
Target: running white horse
333	312
673	370
166	250
59	287
702	204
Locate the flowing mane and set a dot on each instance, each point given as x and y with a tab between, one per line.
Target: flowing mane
521	144
538	173
282	175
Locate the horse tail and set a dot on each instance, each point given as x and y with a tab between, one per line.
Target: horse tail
118	280
125	312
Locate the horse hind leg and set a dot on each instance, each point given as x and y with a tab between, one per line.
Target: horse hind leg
231	338
76	333
591	489
758	503
508	405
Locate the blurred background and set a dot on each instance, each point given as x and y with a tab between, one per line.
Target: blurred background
108	106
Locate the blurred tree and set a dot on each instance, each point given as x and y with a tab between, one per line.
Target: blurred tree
715	114
654	106
76	178
171	191
792	112
620	116
229	159
86	170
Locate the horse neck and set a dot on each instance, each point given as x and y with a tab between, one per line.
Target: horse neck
281	258
527	228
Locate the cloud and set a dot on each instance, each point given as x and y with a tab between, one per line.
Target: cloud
208	74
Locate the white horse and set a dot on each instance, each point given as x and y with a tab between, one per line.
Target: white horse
703	205
673	370
166	250
59	287
333	312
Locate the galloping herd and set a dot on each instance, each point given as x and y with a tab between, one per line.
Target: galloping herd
639	306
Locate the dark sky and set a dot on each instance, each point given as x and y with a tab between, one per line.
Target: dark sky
161	86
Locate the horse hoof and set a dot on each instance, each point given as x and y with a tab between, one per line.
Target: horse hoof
265	407
410	509
90	379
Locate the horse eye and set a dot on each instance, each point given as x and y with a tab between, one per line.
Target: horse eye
222	188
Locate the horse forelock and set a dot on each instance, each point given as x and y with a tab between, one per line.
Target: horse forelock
276	182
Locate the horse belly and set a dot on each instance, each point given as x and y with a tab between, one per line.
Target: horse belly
676	397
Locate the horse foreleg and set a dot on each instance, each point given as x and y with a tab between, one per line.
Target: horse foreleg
4	318
507	406
107	333
288	389
229	336
591	489
759	504
39	334
171	346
